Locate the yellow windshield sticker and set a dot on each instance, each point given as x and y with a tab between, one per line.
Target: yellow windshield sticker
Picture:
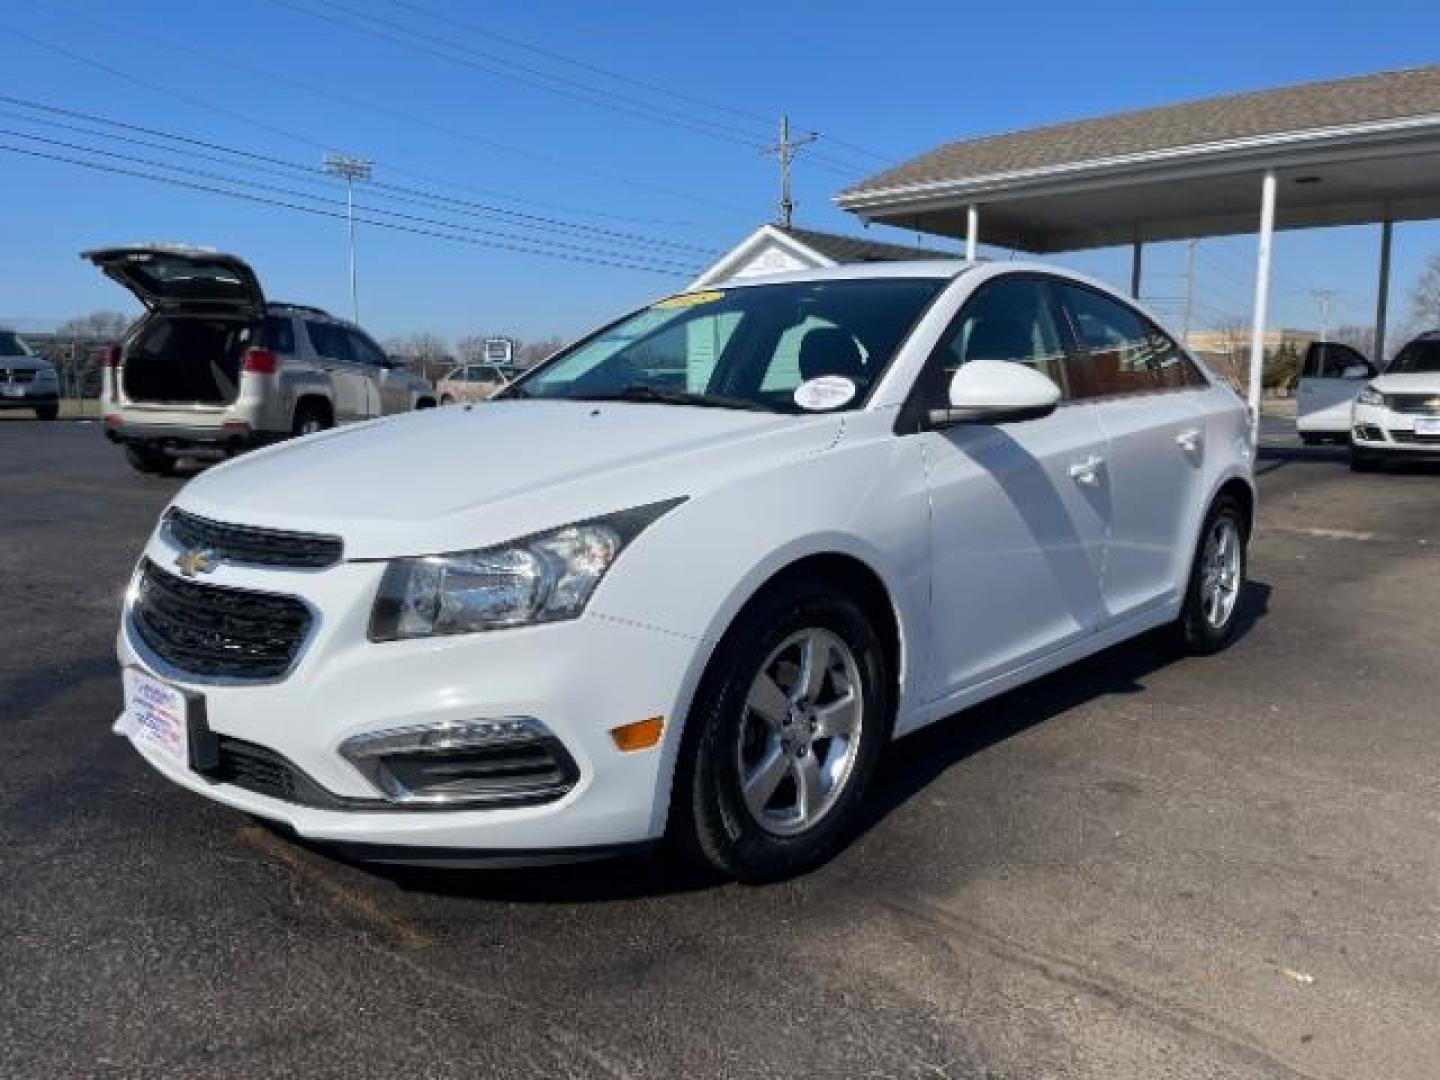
691	299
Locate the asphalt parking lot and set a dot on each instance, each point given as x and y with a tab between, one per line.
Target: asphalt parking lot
1140	867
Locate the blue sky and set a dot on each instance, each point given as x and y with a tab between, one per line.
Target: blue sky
266	77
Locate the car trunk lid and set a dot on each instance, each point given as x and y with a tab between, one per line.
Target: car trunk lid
171	278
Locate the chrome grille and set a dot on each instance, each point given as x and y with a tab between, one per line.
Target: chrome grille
254	546
1412	437
17	375
1414	404
217	632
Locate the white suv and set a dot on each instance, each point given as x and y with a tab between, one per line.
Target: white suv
742	539
1396	417
213	368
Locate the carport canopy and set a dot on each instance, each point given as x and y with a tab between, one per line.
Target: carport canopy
1346	152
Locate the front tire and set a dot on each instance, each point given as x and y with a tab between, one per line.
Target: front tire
1309	438
1363	462
310	417
783	737
47	412
1217	580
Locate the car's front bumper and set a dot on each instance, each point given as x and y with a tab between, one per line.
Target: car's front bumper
1378	431
580	679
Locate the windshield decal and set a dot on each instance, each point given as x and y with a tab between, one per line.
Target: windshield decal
824	393
693	299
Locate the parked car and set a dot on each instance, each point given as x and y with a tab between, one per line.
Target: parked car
475	382
1330	377
213	368
1396	417
27	380
693	606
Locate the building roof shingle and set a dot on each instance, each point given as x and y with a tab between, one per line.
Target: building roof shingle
1315	106
855	249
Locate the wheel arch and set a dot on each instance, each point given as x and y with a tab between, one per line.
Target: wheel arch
313	399
850	573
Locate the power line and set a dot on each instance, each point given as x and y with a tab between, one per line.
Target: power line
316	144
272	165
442	230
618	76
499	67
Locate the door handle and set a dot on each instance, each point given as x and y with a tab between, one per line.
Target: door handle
1190	440
1088	470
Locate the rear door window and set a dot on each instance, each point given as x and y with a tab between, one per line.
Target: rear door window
329	340
1127	353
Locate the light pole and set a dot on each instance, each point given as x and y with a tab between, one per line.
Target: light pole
352	169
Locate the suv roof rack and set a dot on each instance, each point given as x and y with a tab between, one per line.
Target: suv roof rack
298	307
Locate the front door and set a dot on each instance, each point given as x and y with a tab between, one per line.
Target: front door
1330	377
1019	511
1147	393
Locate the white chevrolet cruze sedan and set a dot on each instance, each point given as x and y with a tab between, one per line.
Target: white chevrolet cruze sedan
688	577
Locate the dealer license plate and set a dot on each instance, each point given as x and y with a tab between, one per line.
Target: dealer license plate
11	390
1427	425
155	715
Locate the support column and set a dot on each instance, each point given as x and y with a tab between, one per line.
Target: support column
972	231
1262	302
1136	258
1382	296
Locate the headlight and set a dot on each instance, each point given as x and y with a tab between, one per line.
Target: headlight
1370	396
45	375
543	578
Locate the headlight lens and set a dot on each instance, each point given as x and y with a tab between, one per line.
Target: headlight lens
1370	396
542	578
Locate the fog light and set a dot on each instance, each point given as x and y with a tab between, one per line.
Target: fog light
513	760
640	735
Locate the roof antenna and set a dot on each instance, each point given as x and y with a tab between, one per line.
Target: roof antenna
785	150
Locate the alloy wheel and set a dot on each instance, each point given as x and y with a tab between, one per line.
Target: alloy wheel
1220	572
800	735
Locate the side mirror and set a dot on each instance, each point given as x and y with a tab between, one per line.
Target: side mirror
997	392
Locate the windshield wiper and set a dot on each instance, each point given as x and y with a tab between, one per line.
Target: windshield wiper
641	392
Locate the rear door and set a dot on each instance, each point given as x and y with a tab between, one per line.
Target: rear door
348	381
1019	511
1146	393
170	277
1330	377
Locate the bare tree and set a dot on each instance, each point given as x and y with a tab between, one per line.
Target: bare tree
1359	338
1425	296
531	353
97	325
1231	362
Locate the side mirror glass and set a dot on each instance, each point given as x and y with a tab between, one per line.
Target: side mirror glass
997	392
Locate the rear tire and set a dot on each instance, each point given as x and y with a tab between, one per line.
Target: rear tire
47	412
806	746
310	417
424	403
447	400
1217	580
149	461
1309	438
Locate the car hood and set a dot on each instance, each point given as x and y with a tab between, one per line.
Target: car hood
1418	382
450	479
22	362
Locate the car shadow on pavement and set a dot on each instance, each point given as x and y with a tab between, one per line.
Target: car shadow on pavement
907	768
914	762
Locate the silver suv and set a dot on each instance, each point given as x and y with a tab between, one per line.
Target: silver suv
213	369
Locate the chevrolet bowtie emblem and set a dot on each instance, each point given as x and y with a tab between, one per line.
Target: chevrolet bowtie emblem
197	561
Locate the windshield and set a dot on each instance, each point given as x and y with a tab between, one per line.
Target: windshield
1416	358
745	348
12	344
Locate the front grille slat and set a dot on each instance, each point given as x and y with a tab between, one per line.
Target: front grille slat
254	546
218	632
1414	404
1412	437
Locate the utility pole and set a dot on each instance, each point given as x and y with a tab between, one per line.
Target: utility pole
352	169
785	150
1189	290
1323	297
